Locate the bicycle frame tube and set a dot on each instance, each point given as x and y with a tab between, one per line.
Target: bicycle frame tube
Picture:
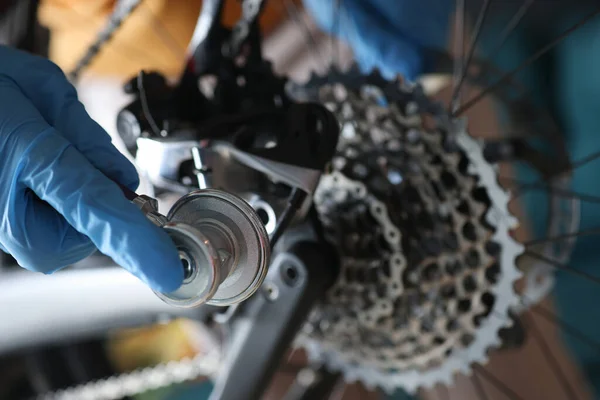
71	305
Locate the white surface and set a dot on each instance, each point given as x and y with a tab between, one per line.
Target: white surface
103	99
39	309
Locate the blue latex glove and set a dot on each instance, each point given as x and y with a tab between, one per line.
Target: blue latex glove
58	201
387	34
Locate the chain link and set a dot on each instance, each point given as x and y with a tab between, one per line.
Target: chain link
130	384
243	27
122	11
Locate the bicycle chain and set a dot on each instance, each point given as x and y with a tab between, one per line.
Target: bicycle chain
422	228
241	30
140	381
122	11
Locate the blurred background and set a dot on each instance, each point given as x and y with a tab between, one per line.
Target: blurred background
155	37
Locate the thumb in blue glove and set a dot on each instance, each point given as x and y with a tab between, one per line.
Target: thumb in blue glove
59	201
387	34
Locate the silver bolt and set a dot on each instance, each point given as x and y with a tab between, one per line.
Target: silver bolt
271	291
149	206
202	173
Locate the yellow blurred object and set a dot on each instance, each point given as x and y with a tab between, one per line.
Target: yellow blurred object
142	347
154	37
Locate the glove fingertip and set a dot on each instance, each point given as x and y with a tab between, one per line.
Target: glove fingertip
158	264
166	284
165	279
130	181
121	170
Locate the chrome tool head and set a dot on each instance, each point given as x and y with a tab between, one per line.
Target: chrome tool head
223	245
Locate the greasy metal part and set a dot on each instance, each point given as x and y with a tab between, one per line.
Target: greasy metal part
295	201
514	336
207	34
222	243
404	206
529	121
203	168
205	266
238	237
161	159
122	11
290	146
149	206
265	212
244	27
204	269
263	327
293	176
130	384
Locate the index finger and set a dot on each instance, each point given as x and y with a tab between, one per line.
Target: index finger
38	157
47	88
95	206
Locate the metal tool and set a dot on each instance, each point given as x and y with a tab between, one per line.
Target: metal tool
222	243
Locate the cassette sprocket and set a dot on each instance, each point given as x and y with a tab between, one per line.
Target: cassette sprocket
424	235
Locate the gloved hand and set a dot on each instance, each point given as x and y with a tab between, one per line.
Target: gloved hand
387	34
58	201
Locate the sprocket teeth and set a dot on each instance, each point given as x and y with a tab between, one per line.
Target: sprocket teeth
354	70
426	385
398	81
498	215
448	380
376	72
335	70
464	370
371	386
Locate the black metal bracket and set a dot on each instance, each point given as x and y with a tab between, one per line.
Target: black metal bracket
264	327
314	384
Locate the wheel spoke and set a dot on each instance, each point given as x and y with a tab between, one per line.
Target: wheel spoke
551	359
508	392
459	50
335	31
478	385
309	38
552	317
562	267
560	238
483	13
523	187
584	161
512	25
444	393
525	64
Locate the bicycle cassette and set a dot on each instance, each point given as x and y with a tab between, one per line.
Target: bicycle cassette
423	232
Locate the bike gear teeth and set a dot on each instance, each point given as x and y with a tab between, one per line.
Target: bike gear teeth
423	230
